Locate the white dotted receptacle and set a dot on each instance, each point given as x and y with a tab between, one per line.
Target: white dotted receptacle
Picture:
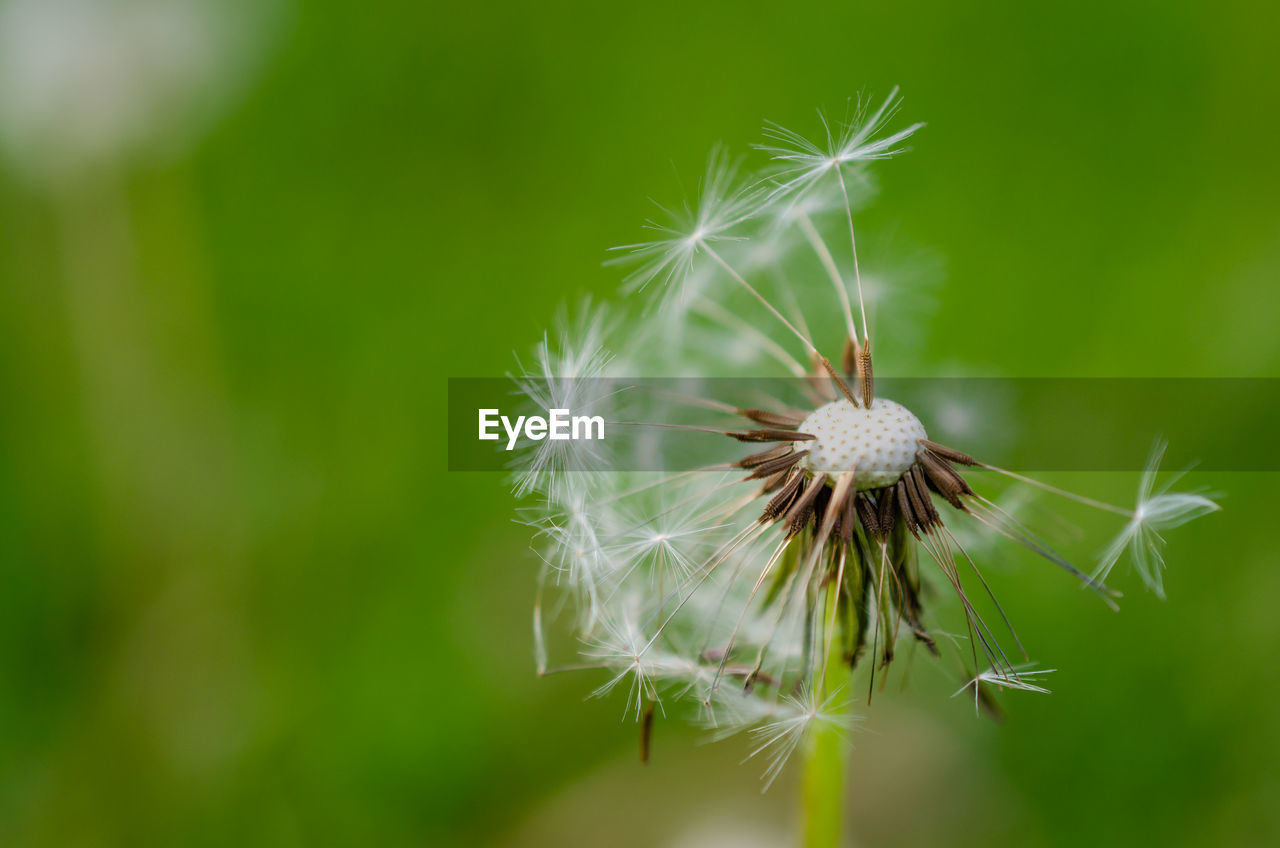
877	444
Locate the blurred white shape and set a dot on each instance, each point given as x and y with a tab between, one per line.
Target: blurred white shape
728	832
92	83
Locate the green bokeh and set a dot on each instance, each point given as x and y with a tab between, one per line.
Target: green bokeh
242	602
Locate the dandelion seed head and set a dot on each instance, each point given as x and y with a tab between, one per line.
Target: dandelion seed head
748	592
877	444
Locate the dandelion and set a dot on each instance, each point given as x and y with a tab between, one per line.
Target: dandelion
751	589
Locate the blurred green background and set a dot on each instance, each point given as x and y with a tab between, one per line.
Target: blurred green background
242	601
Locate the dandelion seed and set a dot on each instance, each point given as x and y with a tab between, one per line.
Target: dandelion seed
571	534
670	545
567	375
792	718
722	205
636	661
1021	677
1154	511
804	162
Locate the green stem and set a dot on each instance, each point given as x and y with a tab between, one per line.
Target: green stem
822	790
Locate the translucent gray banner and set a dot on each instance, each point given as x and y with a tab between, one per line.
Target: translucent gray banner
1019	424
